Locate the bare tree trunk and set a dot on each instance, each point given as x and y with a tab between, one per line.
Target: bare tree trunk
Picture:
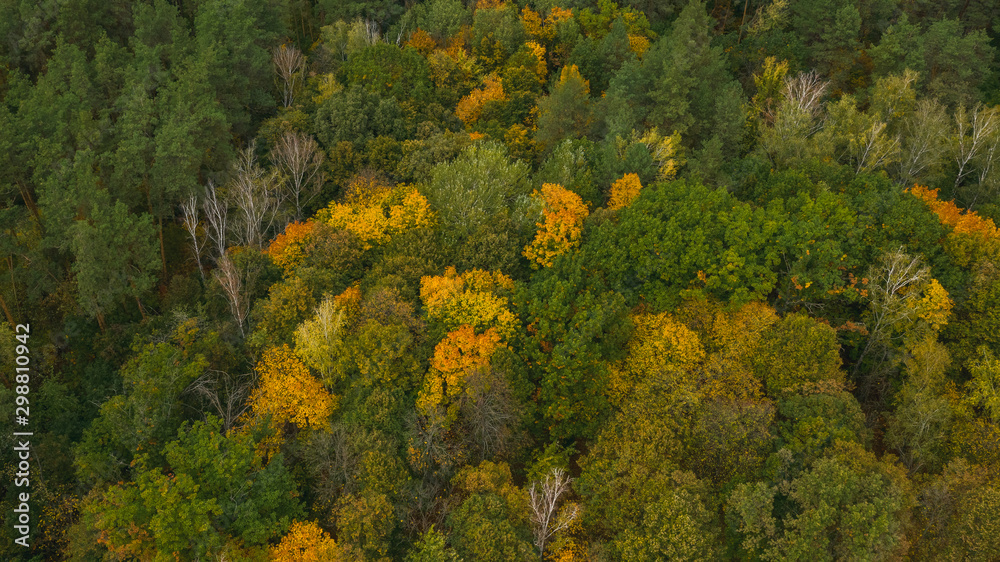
226	393
923	135
142	309
30	202
237	284
257	196
288	63
806	91
163	251
544	497
974	130
301	160
217	214
6	311
189	211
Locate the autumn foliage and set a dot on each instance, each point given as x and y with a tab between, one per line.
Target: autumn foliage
306	542
288	392
476	298
470	106
376	213
561	228
962	222
422	41
543	29
458	355
624	191
675	267
287	250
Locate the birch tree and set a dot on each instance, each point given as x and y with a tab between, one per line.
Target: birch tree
546	517
300	159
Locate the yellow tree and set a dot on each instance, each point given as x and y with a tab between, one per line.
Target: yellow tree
702	351
561	228
376	213
477	298
661	347
306	542
288	392
624	191
541	30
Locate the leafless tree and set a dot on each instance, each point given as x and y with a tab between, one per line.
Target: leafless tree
805	92
894	292
189	214
890	289
257	196
489	413
234	285
226	394
976	131
289	64
873	148
546	518
301	160
922	135
216	214
372	31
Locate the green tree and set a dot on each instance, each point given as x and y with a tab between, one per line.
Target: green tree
683	239
232	41
565	113
478	188
958	508
953	61
599	59
814	418
216	489
574	327
680	85
389	71
679	524
797	350
149	409
847	505
357	115
115	257
490	522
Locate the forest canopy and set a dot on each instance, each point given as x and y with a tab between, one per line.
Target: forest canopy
501	279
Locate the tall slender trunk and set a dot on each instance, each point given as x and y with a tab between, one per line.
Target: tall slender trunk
142	309
163	252
30	202
6	311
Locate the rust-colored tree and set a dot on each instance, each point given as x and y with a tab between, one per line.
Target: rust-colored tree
288	249
469	107
460	354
